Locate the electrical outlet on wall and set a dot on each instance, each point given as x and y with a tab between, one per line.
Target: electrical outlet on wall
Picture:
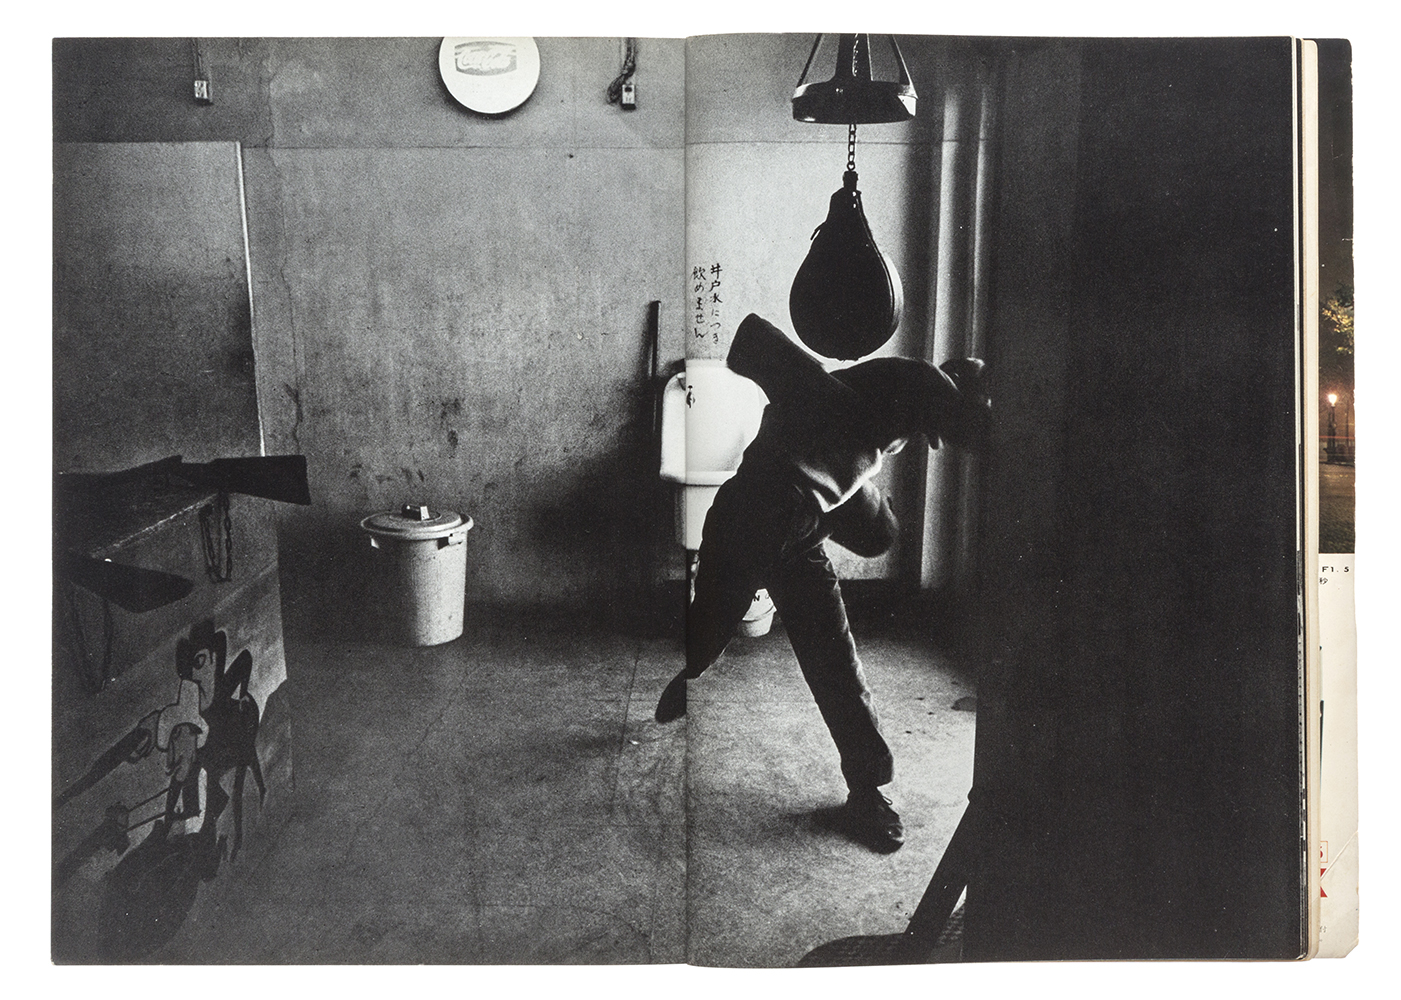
202	92
628	101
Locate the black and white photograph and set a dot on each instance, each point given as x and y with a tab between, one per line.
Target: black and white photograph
760	500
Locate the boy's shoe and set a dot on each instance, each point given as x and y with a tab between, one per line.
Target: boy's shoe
672	704
873	821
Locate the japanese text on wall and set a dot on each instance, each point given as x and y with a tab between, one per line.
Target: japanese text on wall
706	302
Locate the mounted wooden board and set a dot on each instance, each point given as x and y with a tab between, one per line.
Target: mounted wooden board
152	337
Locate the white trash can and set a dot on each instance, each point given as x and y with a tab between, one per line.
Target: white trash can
421	562
759	618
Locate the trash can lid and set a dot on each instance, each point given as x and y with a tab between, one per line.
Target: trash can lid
414	521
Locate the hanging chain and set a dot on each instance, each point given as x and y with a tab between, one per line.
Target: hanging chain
849	178
851	129
212	563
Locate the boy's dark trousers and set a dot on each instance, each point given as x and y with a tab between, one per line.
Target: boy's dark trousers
763	531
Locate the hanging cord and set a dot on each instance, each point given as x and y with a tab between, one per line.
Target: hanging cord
615	89
201	74
93	681
219	570
808	65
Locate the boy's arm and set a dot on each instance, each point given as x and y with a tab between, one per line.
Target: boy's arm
906	396
877	400
789	376
865	524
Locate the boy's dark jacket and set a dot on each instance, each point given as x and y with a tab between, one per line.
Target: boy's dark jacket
876	401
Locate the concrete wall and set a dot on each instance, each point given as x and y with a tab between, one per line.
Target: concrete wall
453	308
447	307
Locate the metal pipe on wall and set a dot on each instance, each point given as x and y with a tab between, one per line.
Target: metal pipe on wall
959	294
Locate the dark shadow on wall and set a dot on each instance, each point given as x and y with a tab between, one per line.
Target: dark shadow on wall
618	510
325	573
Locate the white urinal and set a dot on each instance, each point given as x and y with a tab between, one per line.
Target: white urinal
709	416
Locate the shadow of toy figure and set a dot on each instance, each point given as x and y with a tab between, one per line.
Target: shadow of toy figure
212	727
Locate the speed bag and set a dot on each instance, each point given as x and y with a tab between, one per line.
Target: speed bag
846	299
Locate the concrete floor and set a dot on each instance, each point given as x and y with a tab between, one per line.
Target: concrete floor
507	798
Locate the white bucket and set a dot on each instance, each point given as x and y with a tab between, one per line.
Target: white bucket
759	618
422	572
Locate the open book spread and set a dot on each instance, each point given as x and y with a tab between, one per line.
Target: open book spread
999	390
